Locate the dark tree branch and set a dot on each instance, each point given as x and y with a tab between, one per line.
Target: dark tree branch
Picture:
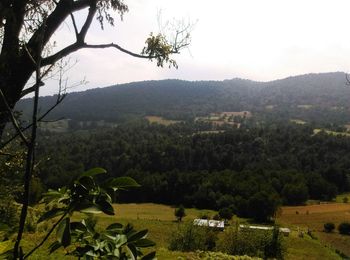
46	236
86	26
77	46
59	100
13	119
63	9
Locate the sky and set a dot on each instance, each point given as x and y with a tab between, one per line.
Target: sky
260	40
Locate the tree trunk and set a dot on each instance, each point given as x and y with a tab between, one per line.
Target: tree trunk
13	78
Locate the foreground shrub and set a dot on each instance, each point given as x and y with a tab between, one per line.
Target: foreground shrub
344	228
328	227
226	213
190	238
255	243
222	256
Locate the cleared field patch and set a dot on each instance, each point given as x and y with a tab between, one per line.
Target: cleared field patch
318	130
313	217
59	126
340	198
246	114
298	121
160	120
304	106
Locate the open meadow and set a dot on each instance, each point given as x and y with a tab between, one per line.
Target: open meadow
313	217
160	221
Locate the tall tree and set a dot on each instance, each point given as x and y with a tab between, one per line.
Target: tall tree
26	27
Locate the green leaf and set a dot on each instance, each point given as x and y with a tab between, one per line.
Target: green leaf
133	251
51	214
5	246
150	256
122	183
63	232
92	172
52	195
120	240
88	182
54	246
105	206
144	242
92	209
138	235
77	227
114	227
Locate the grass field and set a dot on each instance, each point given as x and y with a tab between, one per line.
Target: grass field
160	221
298	121
313	217
318	130
160	120
305	106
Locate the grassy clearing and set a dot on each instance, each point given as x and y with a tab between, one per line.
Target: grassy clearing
160	120
318	130
160	221
340	197
298	121
305	106
59	126
313	217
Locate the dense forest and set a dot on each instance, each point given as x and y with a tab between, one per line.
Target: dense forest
252	170
276	155
318	98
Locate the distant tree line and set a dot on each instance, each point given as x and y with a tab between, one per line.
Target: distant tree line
251	170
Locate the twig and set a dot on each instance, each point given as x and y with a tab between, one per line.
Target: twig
47	236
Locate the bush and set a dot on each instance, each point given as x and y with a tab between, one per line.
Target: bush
328	227
226	213
256	243
180	213
344	228
190	238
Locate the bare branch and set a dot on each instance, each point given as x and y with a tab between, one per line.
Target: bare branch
88	21
74	25
40	119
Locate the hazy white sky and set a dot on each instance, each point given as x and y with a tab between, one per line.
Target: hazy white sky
255	39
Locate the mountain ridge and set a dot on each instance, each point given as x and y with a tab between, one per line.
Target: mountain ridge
185	100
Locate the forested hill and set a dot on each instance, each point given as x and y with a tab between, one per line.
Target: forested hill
311	97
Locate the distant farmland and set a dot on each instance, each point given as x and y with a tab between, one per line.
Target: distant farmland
160	120
313	217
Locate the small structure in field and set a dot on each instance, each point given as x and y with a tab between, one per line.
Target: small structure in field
218	224
284	231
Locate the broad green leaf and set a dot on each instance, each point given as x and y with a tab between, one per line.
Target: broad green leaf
114	227
150	256
51	214
120	240
132	251
93	209
52	195
138	235
144	242
122	183
88	182
77	227
5	246
93	172
63	232
54	246
105	206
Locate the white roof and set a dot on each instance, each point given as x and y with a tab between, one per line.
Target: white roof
284	230
209	223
